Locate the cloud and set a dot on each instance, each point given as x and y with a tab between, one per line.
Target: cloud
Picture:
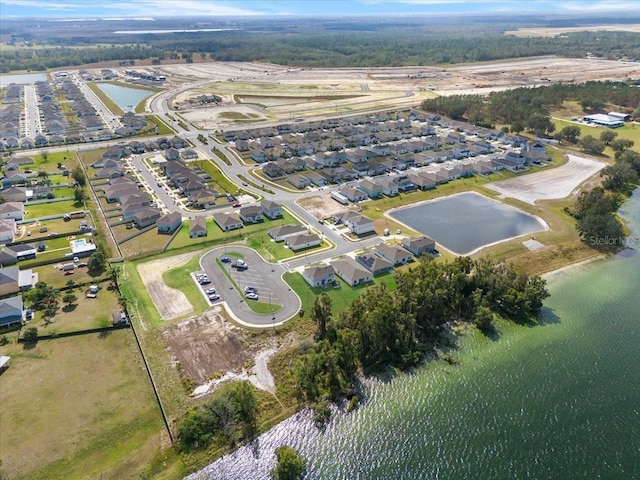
182	8
43	4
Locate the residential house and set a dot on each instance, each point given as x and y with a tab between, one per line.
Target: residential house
251	214
419	245
42	192
172	154
360	225
272	170
393	253
14	280
198	227
375	263
317	178
146	217
302	240
7	230
12	210
189	154
22	251
351	272
11	311
319	275
14	194
203	198
299	181
227	221
389	187
371	188
354	194
271	209
169	223
283	231
422	182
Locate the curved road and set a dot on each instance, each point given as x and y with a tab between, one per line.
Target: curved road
265	277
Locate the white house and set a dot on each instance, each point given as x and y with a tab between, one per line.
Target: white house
319	275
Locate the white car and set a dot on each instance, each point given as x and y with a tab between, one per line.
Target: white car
213	297
210	291
252	296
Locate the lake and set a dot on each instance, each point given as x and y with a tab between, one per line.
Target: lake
22	78
126	98
466	222
556	401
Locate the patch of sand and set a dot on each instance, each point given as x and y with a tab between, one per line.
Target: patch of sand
171	303
549	184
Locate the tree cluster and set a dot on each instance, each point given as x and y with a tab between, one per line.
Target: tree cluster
45	298
384	328
229	417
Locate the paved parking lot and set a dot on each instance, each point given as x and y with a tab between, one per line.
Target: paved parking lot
265	277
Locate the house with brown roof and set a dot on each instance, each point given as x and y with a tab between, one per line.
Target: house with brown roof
283	231
203	198
302	240
169	223
12	210
146	217
351	272
14	194
319	275
227	221
374	263
419	245
393	253
198	227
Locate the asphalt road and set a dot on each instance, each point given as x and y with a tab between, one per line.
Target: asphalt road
265	277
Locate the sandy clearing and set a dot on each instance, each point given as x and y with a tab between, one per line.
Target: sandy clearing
171	303
549	184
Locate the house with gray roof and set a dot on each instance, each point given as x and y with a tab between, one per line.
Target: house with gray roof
14	194
319	275
271	209
11	311
251	214
299	181
351	272
7	230
354	194
360	225
371	188
12	210
374	263
146	217
13	280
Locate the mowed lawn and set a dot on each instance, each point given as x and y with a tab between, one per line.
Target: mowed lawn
79	407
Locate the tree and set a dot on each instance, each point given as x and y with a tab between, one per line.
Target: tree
607	136
78	176
321	315
592	145
45	156
245	405
78	196
30	335
43	178
291	466
620	144
483	318
71	285
69	299
97	261
570	133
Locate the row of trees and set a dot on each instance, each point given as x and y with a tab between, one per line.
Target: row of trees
384	328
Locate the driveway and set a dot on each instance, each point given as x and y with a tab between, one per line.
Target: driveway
265	277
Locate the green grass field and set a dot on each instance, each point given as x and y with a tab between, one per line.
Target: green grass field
220	182
180	279
104	423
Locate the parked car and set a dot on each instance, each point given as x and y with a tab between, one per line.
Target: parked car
250	290
43	229
252	296
82	264
204	281
214	296
225	259
210	291
236	205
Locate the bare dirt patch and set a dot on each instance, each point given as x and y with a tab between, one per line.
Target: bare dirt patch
323	206
550	184
171	303
555	31
206	345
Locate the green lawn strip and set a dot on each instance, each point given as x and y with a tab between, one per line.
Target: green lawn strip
68	159
163	127
220	181
143	245
215	236
52	208
262	187
104	98
139	301
221	156
180	279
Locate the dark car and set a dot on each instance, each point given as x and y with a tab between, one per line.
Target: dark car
236	205
225	259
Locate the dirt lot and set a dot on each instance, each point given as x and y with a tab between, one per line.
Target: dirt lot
362	89
323	206
205	345
552	32
171	303
549	184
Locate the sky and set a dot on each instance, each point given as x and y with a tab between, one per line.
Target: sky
155	8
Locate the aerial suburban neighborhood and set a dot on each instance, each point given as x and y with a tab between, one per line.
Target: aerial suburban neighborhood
197	244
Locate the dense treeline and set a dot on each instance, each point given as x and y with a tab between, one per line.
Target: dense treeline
323	44
384	328
529	108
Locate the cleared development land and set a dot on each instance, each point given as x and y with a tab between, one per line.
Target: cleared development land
551	184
